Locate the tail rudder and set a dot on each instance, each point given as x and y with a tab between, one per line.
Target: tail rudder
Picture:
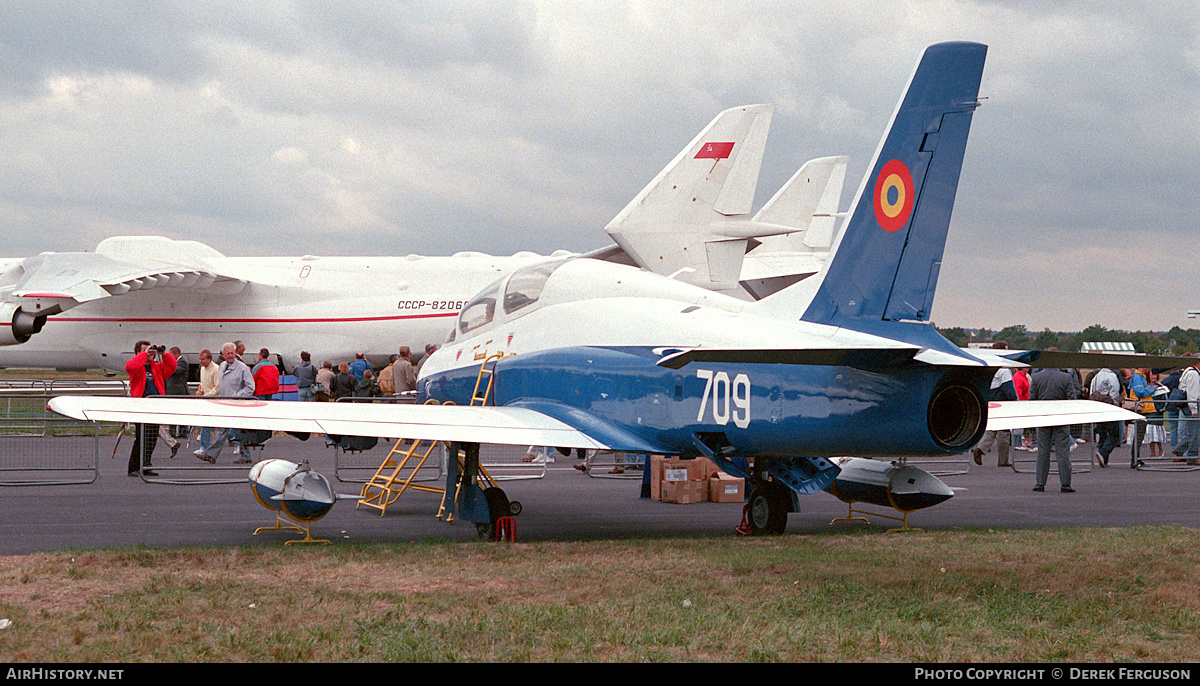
669	226
884	265
808	204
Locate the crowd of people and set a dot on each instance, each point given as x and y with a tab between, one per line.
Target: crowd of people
155	370
1168	399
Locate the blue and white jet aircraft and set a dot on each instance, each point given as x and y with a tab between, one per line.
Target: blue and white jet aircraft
589	354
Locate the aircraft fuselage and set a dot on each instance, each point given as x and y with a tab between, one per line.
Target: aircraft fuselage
767	410
596	363
332	307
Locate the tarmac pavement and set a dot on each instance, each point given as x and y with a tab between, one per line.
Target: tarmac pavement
564	504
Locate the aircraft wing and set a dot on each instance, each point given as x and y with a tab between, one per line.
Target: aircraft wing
1043	359
87	276
473	424
886	355
1027	414
50	283
1052	359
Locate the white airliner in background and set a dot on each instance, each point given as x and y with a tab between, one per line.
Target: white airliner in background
183	293
85	310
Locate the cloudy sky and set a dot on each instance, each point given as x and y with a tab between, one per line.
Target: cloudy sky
391	128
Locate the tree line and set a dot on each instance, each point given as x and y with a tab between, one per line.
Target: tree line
1174	342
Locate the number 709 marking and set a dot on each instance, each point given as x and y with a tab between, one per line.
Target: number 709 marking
729	400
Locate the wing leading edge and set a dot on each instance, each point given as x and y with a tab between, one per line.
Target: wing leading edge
1044	359
509	425
504	425
53	282
1028	414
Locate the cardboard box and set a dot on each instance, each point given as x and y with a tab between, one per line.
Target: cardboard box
685	492
675	474
723	488
698	469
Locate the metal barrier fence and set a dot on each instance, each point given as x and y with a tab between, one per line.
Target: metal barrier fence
50	461
1132	435
1083	452
607	464
26	458
357	459
953	465
507	463
1175	427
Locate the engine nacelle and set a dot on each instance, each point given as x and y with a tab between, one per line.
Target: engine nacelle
16	325
957	415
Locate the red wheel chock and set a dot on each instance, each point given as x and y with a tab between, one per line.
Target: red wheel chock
506	529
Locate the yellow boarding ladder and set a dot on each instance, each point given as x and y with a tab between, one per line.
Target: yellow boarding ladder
385	487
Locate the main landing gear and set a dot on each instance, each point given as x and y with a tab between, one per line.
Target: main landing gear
774	486
766	509
499	506
472	494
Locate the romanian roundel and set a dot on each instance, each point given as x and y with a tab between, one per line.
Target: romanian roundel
893	196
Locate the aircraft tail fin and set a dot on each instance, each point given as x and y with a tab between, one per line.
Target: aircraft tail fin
884	264
808	204
669	227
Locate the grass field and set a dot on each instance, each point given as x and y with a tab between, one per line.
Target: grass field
1079	595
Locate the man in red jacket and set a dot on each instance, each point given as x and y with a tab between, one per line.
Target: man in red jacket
148	372
266	376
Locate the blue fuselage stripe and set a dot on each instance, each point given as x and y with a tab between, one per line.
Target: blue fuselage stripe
762	409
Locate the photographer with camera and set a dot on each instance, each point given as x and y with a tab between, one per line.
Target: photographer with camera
148	372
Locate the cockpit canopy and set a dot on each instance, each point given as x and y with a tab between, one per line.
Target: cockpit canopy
517	291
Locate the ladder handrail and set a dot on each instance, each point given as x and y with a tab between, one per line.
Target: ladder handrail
386	483
491	374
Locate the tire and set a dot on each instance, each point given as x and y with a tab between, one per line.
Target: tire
498	506
767	509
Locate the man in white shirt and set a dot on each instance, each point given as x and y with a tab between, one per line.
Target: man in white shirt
1189	440
234	380
208	386
1106	388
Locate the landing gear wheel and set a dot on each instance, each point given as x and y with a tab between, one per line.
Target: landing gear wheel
498	506
514	507
767	509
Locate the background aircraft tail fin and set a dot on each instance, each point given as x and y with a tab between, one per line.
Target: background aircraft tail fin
884	265
669	227
807	203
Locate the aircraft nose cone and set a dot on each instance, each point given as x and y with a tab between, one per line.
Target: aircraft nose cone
915	489
919	500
